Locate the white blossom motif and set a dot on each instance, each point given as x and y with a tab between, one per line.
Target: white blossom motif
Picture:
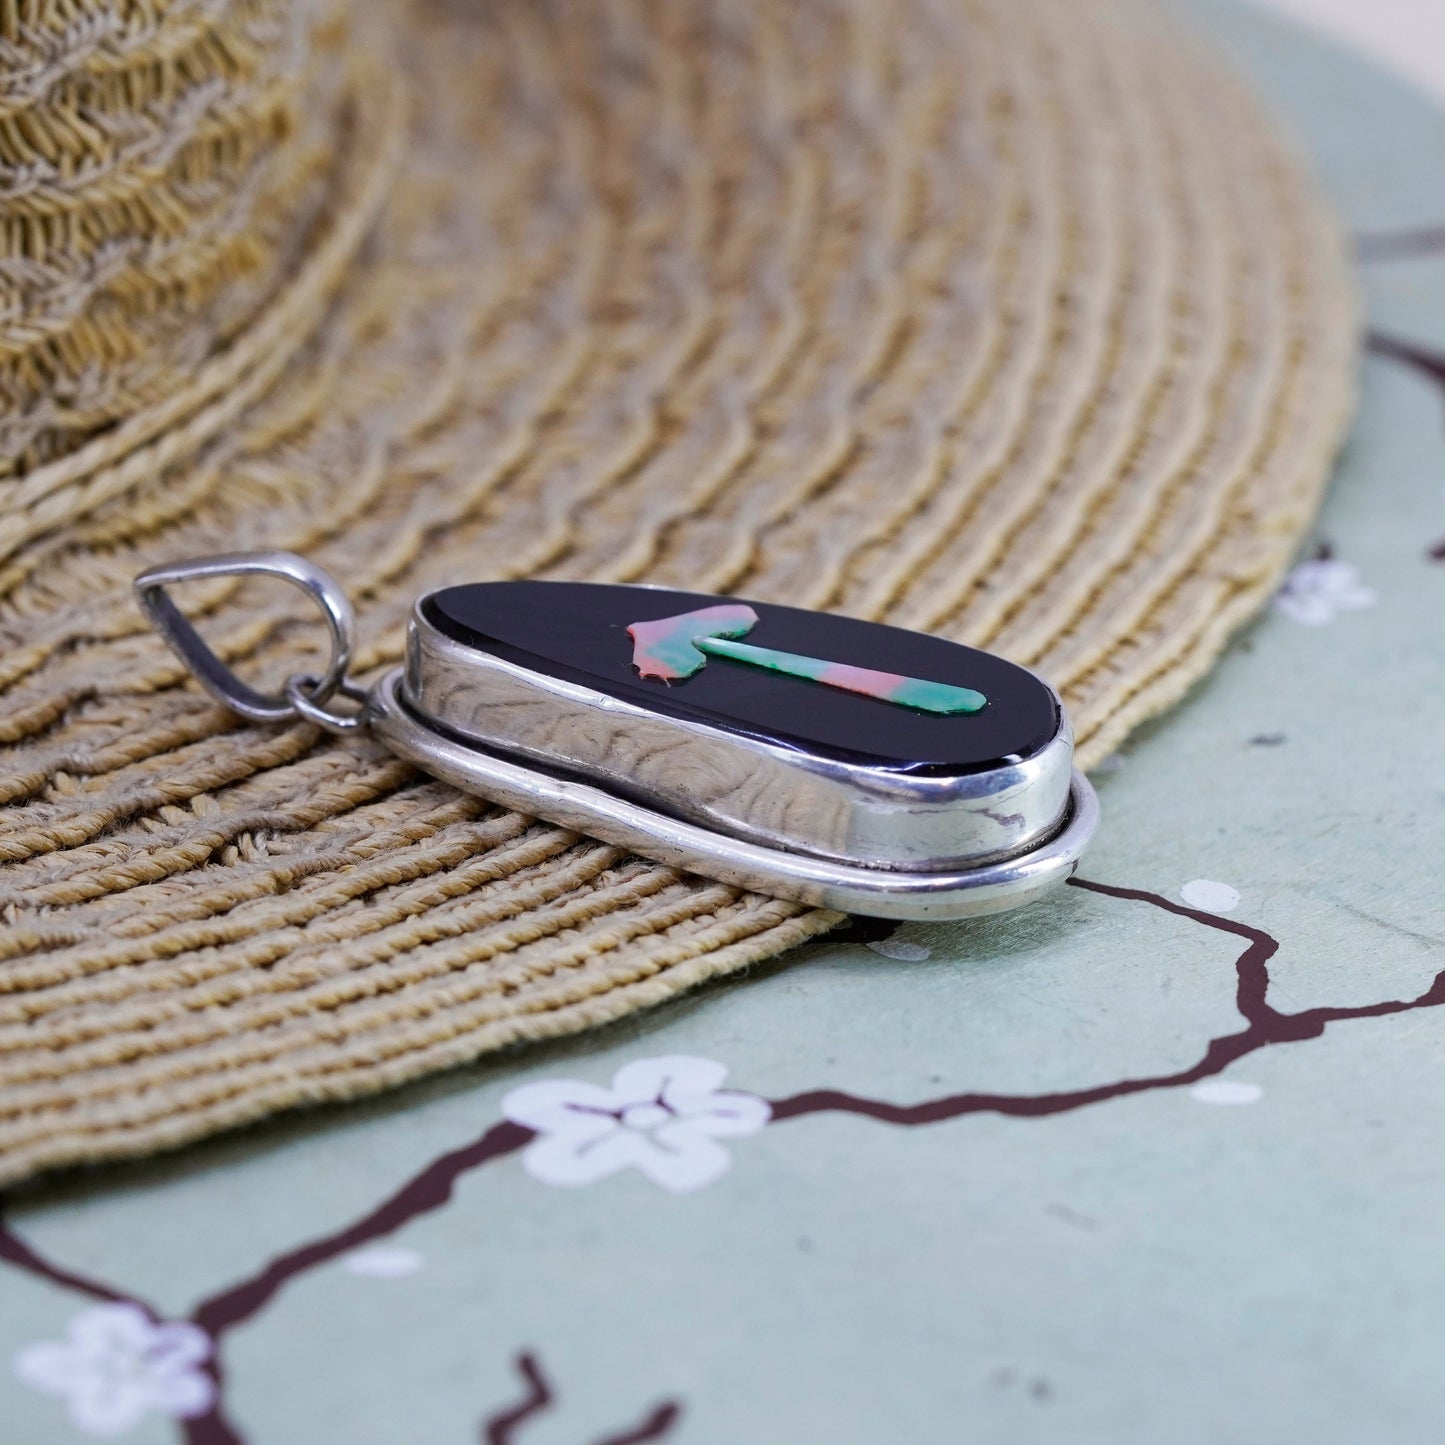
1316	590
663	1117
116	1365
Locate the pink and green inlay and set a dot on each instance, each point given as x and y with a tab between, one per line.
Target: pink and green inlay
673	648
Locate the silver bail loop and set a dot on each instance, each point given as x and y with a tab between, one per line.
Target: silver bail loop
219	679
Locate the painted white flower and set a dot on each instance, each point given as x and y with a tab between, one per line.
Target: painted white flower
116	1365
1316	590
661	1116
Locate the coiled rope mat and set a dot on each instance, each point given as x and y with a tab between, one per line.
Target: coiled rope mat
1011	321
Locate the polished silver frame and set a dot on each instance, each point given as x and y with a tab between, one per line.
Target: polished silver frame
725	781
826	883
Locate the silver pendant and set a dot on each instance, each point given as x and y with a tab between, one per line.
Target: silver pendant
814	757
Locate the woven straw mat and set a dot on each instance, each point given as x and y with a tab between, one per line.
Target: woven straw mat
1013	322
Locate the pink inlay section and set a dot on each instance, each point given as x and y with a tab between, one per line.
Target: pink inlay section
663	648
862	679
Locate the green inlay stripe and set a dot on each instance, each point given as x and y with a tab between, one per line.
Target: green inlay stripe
934	697
792	663
939	697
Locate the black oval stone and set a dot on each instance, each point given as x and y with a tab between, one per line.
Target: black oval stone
577	632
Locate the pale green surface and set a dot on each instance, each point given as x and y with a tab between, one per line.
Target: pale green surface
1147	1271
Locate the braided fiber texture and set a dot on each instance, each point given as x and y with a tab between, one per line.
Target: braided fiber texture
1013	322
158	171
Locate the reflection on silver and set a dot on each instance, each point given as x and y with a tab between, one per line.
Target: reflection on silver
881	892
724	781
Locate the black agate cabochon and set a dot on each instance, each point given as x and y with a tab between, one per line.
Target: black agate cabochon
578	632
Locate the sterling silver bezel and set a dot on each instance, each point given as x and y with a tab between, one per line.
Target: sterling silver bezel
725	781
822	882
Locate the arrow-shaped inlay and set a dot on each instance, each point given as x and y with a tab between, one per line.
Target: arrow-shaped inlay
673	648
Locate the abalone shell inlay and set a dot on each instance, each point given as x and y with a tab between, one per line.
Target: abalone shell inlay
673	648
577	633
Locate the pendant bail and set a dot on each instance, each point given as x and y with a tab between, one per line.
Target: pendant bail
304	694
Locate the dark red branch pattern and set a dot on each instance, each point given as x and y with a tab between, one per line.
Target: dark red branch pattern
657	1426
1398	246
1429	363
1425	362
421	1194
15	1251
432	1187
1264	1026
1406	245
497	1429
